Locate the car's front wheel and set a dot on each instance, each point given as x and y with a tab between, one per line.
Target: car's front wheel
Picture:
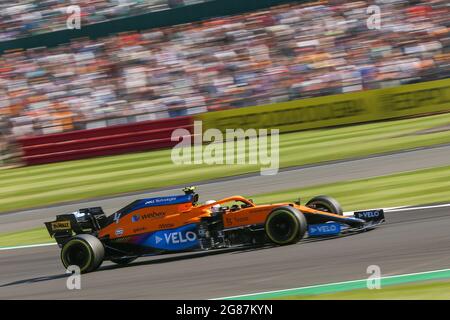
285	225
326	204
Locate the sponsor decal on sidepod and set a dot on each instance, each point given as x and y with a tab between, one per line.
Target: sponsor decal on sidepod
154	215
181	238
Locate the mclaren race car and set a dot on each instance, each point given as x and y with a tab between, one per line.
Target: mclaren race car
179	223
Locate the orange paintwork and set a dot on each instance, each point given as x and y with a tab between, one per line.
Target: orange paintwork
176	215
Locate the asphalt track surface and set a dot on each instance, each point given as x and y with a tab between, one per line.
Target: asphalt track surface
288	178
411	241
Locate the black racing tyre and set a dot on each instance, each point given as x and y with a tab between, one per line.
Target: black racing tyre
123	261
83	250
325	203
285	225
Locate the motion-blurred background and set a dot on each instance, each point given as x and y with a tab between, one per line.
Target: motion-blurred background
77	105
294	51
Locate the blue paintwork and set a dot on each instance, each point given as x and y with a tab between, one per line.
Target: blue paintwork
177	239
162	201
324	229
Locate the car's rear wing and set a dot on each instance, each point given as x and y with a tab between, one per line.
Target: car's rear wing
83	221
63	227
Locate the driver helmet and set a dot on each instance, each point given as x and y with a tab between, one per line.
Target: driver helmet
216	208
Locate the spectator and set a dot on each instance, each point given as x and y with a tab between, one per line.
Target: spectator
30	17
279	54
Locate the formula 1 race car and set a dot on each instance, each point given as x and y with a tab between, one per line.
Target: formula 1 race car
178	223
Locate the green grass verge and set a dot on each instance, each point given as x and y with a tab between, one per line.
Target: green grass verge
75	180
408	188
27	237
415	291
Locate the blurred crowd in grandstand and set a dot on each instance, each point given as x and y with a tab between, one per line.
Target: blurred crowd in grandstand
30	17
279	54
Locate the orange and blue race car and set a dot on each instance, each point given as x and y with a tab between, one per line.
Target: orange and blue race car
179	223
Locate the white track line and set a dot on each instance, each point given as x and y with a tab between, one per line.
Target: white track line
27	246
419	208
348	213
330	284
402	208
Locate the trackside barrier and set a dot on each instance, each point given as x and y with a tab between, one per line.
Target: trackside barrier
142	136
335	110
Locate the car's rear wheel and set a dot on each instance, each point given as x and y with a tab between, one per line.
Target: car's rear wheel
85	251
326	204
285	225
